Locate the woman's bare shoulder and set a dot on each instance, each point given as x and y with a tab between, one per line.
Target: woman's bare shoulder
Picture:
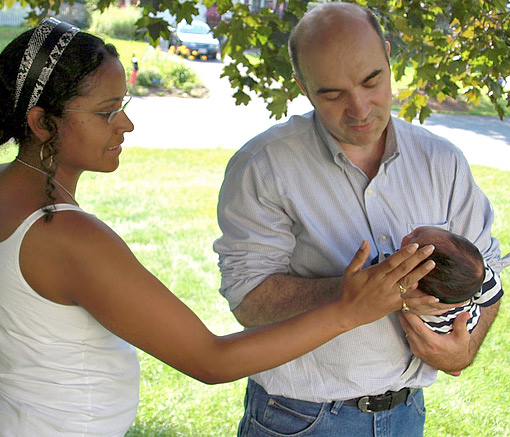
60	256
75	231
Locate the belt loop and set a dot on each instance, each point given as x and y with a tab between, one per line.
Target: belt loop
335	407
412	392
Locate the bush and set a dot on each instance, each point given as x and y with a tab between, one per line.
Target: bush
115	22
138	90
149	76
181	75
161	74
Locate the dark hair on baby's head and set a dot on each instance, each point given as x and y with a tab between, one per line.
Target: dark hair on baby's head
80	60
459	271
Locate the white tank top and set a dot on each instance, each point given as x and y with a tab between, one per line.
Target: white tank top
61	372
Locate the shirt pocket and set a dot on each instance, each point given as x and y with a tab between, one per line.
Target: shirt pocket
412	226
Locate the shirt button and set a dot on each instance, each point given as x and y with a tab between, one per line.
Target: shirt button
369	191
382	238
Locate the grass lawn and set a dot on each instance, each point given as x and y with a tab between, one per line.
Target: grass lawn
8	33
163	203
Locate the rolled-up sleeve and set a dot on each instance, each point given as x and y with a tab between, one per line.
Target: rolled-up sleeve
472	215
257	241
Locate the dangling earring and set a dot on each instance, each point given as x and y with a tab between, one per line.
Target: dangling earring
49	156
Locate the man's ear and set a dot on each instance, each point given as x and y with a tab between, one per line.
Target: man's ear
303	88
37	123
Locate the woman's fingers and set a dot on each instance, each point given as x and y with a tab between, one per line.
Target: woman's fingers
426	305
410	280
402	262
401	256
359	259
368	291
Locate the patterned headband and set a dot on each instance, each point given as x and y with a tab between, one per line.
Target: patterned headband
43	51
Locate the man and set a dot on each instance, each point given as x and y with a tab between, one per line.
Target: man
296	202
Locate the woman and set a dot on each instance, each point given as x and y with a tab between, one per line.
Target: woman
73	298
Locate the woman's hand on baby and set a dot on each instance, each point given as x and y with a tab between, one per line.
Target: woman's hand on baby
374	292
423	304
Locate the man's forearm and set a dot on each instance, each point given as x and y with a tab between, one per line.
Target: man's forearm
461	361
281	296
477	336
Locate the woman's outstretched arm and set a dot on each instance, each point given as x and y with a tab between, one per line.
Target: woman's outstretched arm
85	263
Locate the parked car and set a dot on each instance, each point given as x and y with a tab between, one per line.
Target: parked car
197	38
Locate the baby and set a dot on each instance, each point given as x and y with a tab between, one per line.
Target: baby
457	278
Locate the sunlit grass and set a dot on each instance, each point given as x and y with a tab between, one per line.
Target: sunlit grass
127	48
8	33
163	203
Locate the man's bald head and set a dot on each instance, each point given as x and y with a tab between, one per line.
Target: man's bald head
326	21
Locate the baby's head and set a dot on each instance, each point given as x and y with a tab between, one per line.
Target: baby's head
459	271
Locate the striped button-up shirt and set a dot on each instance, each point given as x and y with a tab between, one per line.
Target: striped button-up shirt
293	203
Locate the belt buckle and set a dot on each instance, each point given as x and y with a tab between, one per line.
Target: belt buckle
363	404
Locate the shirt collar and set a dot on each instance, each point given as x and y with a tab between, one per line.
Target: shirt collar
392	149
329	140
391	152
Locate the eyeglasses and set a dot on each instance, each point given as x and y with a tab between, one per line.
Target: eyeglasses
109	115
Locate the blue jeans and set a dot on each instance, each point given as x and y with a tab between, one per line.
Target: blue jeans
277	416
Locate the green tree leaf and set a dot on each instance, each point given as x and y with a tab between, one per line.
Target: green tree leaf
459	48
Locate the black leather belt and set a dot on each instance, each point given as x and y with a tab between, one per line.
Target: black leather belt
387	401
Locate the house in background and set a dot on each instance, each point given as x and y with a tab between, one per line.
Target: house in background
16	15
77	14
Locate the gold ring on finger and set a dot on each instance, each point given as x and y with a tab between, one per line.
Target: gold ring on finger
403	290
405	308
